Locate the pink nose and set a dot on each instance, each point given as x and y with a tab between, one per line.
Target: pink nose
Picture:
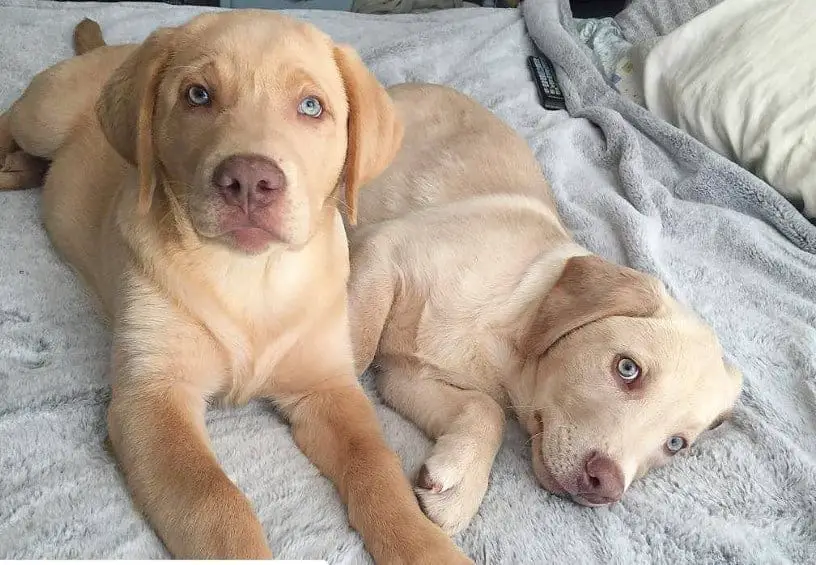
249	181
602	481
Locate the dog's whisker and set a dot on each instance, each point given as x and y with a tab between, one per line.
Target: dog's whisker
534	437
340	203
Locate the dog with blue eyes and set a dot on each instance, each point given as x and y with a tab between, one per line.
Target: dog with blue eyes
470	297
193	184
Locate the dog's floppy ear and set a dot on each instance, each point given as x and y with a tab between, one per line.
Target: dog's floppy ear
126	106
720	420
374	130
590	289
735	374
735	379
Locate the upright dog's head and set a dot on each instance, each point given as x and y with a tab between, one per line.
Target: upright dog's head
624	379
247	121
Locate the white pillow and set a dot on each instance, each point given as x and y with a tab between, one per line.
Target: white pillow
741	78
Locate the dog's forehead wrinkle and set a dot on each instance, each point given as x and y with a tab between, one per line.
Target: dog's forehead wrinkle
255	44
244	21
684	347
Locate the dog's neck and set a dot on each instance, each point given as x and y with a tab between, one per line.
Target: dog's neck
533	287
522	309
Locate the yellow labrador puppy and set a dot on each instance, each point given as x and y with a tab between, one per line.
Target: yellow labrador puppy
470	296
197	199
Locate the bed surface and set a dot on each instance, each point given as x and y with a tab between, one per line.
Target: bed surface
630	187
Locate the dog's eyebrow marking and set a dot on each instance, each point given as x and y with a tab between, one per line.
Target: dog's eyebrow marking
205	70
211	73
199	64
299	78
192	68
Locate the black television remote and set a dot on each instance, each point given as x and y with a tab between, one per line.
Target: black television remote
544	75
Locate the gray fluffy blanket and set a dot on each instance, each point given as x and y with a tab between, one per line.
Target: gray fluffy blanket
630	187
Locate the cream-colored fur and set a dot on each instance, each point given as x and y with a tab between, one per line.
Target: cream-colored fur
470	297
211	296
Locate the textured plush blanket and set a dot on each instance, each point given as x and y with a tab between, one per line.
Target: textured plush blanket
632	188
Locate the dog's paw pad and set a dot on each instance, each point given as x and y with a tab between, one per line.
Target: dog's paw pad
450	496
425	481
20	170
18	162
9	163
451	510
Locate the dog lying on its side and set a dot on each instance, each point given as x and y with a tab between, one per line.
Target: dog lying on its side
197	199
469	295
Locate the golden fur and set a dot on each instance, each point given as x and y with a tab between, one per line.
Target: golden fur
210	300
471	297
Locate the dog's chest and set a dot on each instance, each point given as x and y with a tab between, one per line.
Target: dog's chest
256	313
260	311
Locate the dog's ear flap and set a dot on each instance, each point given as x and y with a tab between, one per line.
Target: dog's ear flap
374	130
735	374
126	107
590	289
720	420
734	382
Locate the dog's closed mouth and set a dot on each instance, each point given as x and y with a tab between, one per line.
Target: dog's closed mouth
542	472
591	500
547	479
251	239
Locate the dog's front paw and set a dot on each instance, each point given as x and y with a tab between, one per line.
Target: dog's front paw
449	555
450	491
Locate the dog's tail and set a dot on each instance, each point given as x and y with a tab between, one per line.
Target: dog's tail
87	36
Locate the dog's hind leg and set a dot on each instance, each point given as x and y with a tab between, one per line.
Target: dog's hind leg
59	98
38	124
21	170
18	169
467	426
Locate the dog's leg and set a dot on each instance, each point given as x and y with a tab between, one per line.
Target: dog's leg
335	425
160	441
371	290
467	425
339	432
58	99
18	169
